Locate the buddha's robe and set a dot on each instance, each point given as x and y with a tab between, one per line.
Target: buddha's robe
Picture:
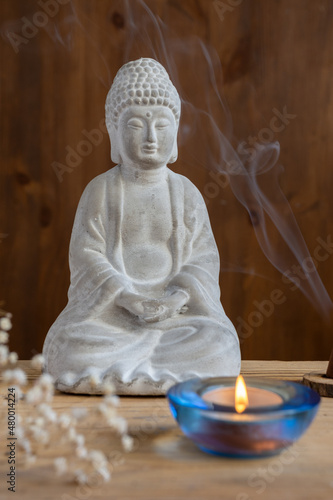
94	335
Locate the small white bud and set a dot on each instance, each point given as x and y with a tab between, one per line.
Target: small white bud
60	465
108	388
112	400
38	361
81	452
72	434
4	337
127	442
3	354
34	395
30	459
45	380
79	413
105	473
80	477
16	376
80	440
13	357
5	323
65	421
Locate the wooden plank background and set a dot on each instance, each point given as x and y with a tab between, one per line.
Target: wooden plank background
266	56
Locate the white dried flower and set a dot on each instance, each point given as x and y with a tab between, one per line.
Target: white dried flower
4	337
26	445
40	422
112	400
18	392
34	395
79	413
39	430
97	458
43	436
108	387
81	477
16	376
105	473
65	421
48	396
38	361
46	381
30	459
60	465
127	442
5	323
47	412
13	357
107	411
34	431
119	424
19	432
3	354
81	452
72	435
80	440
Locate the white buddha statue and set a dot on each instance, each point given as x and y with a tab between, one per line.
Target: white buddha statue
144	306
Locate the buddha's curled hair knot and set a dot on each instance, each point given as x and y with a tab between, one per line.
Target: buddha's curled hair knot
142	82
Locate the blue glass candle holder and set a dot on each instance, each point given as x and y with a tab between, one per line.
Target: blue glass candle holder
259	431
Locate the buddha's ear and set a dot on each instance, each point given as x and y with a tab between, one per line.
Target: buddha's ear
174	154
115	155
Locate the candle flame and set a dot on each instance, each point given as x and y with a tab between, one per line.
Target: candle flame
241	398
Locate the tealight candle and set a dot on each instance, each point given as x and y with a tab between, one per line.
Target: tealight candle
259	420
242	397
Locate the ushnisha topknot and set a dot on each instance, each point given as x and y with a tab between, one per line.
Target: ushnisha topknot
142	82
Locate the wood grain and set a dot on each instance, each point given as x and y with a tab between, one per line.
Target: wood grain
266	55
319	383
166	465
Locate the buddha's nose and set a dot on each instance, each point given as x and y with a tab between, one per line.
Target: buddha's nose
151	134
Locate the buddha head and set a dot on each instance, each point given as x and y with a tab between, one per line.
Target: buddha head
142	115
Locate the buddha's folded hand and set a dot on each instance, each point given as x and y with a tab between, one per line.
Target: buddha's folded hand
177	300
132	302
154	311
167	307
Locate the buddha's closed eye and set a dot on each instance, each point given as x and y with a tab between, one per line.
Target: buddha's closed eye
162	124
135	123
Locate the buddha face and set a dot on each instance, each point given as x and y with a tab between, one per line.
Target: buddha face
146	136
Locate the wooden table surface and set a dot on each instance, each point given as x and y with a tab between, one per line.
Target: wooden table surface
167	466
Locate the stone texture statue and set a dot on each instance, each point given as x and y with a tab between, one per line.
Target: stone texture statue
144	302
